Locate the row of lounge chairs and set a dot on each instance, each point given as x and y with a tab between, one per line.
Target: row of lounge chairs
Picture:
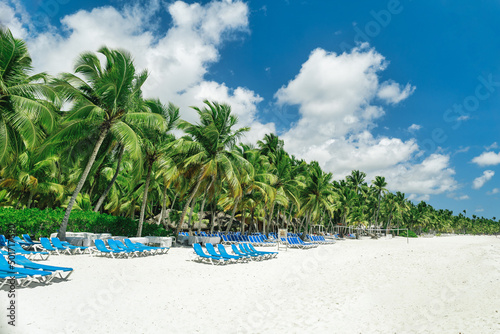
19	270
296	242
256	240
127	249
319	239
243	252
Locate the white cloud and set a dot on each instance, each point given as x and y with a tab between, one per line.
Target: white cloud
391	92
177	59
481	180
492	146
335	94
479	210
414	127
487	159
13	20
493	191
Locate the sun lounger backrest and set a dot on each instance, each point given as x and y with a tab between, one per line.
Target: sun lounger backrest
46	244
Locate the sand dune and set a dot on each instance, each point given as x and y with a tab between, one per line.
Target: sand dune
431	285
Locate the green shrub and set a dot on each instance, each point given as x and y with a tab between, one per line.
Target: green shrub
411	234
41	223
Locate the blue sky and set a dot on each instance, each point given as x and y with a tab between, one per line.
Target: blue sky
404	89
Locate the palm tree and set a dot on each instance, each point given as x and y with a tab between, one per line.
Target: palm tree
23	100
379	184
107	102
316	196
207	152
155	142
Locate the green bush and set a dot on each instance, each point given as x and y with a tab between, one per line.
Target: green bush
41	223
411	234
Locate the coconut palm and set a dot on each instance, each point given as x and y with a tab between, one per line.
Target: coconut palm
155	142
107	101
207	151
26	111
379	185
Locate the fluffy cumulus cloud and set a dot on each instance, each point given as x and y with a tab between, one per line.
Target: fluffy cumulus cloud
481	180
336	95
177	59
487	159
392	92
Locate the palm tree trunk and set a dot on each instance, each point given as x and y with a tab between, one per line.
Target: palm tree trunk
378	210
270	217
110	185
184	211
30	198
190	227
144	199
203	204
61	234
232	215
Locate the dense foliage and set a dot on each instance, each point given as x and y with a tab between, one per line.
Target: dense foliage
37	223
111	163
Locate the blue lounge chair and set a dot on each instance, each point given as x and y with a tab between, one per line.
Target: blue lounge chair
144	248
41	275
27	238
202	257
247	249
75	249
20	241
64	249
251	248
101	249
211	251
13	247
121	245
223	252
241	252
21	260
47	246
138	245
114	247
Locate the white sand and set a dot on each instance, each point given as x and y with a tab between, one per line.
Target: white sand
438	285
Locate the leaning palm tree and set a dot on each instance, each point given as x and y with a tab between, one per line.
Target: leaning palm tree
207	152
107	101
25	100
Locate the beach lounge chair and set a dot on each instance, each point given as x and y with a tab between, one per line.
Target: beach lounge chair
60	247
21	260
21	242
112	244
47	246
140	246
202	257
101	249
72	249
27	239
251	248
245	247
121	245
40	275
223	251
13	247
211	251
242	251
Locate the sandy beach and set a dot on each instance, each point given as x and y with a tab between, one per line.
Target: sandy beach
431	285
